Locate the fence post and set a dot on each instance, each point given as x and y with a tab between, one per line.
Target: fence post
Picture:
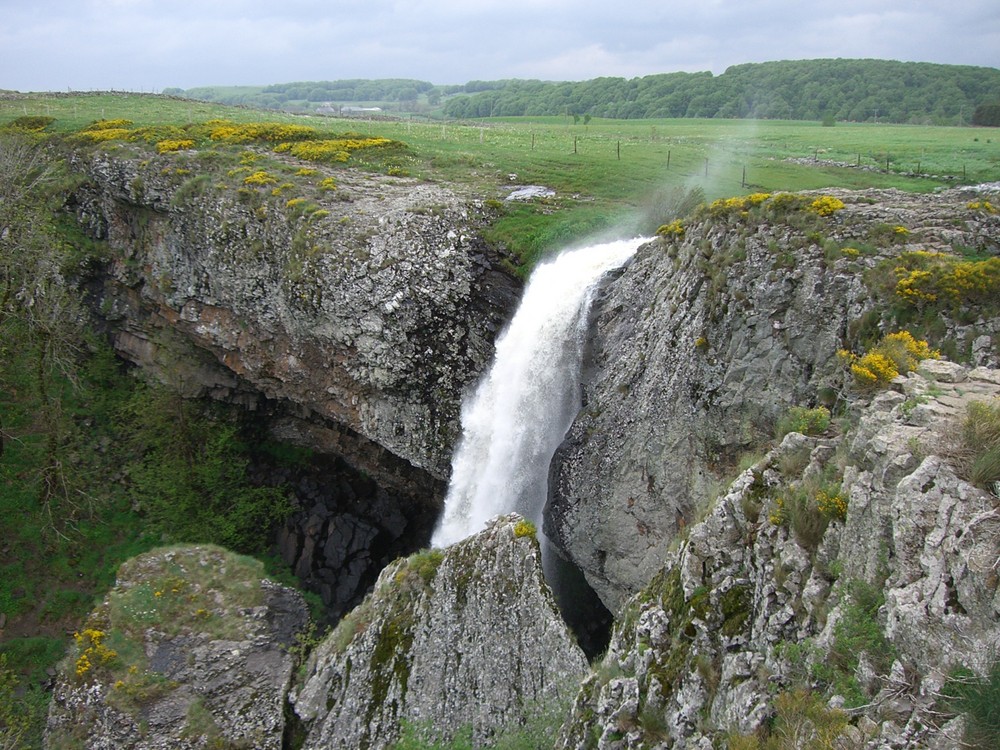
619	150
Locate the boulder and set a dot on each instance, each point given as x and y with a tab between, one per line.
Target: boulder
191	649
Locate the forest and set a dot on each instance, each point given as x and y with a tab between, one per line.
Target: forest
827	90
819	90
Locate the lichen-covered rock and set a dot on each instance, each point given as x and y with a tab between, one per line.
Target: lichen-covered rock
189	650
369	316
465	639
772	607
702	343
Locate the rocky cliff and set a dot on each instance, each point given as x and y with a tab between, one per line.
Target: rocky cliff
365	310
709	335
350	319
190	649
844	628
465	640
193	649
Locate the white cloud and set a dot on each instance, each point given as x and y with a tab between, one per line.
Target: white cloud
145	44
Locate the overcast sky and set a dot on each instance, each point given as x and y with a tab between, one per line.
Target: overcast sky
149	45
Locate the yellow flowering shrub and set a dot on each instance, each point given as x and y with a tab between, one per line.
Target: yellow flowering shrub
923	278
524	528
305	172
723	206
108	125
328	183
166	146
331	150
260	178
673	230
271	132
826	205
93	652
895	354
984	206
777	514
832	505
106	134
295	202
785	202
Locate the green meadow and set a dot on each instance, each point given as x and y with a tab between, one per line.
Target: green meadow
621	176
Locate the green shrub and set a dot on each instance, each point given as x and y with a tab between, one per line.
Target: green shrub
30	123
978	453
807	421
979	699
190	476
858	630
14	723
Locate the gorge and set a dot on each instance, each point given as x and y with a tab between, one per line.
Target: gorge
358	340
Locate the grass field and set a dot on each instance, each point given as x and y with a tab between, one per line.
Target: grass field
608	174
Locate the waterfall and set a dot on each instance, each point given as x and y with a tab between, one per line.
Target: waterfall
521	410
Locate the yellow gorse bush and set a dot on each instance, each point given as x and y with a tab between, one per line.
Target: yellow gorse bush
271	132
166	146
93	651
826	205
105	134
832	505
895	354
331	150
108	125
984	206
260	178
923	278
673	230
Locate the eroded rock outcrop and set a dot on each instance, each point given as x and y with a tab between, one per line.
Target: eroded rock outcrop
464	639
707	337
190	649
764	608
365	315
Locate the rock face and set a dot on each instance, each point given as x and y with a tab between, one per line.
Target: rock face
758	604
365	319
699	347
351	330
465	639
189	650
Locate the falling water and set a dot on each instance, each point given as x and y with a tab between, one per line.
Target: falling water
521	410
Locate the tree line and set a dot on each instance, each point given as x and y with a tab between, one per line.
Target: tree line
823	90
851	90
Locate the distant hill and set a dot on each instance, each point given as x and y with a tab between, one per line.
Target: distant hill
856	90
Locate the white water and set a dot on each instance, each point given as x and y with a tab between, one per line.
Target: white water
522	409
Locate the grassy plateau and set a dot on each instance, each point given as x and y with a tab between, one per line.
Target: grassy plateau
618	176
